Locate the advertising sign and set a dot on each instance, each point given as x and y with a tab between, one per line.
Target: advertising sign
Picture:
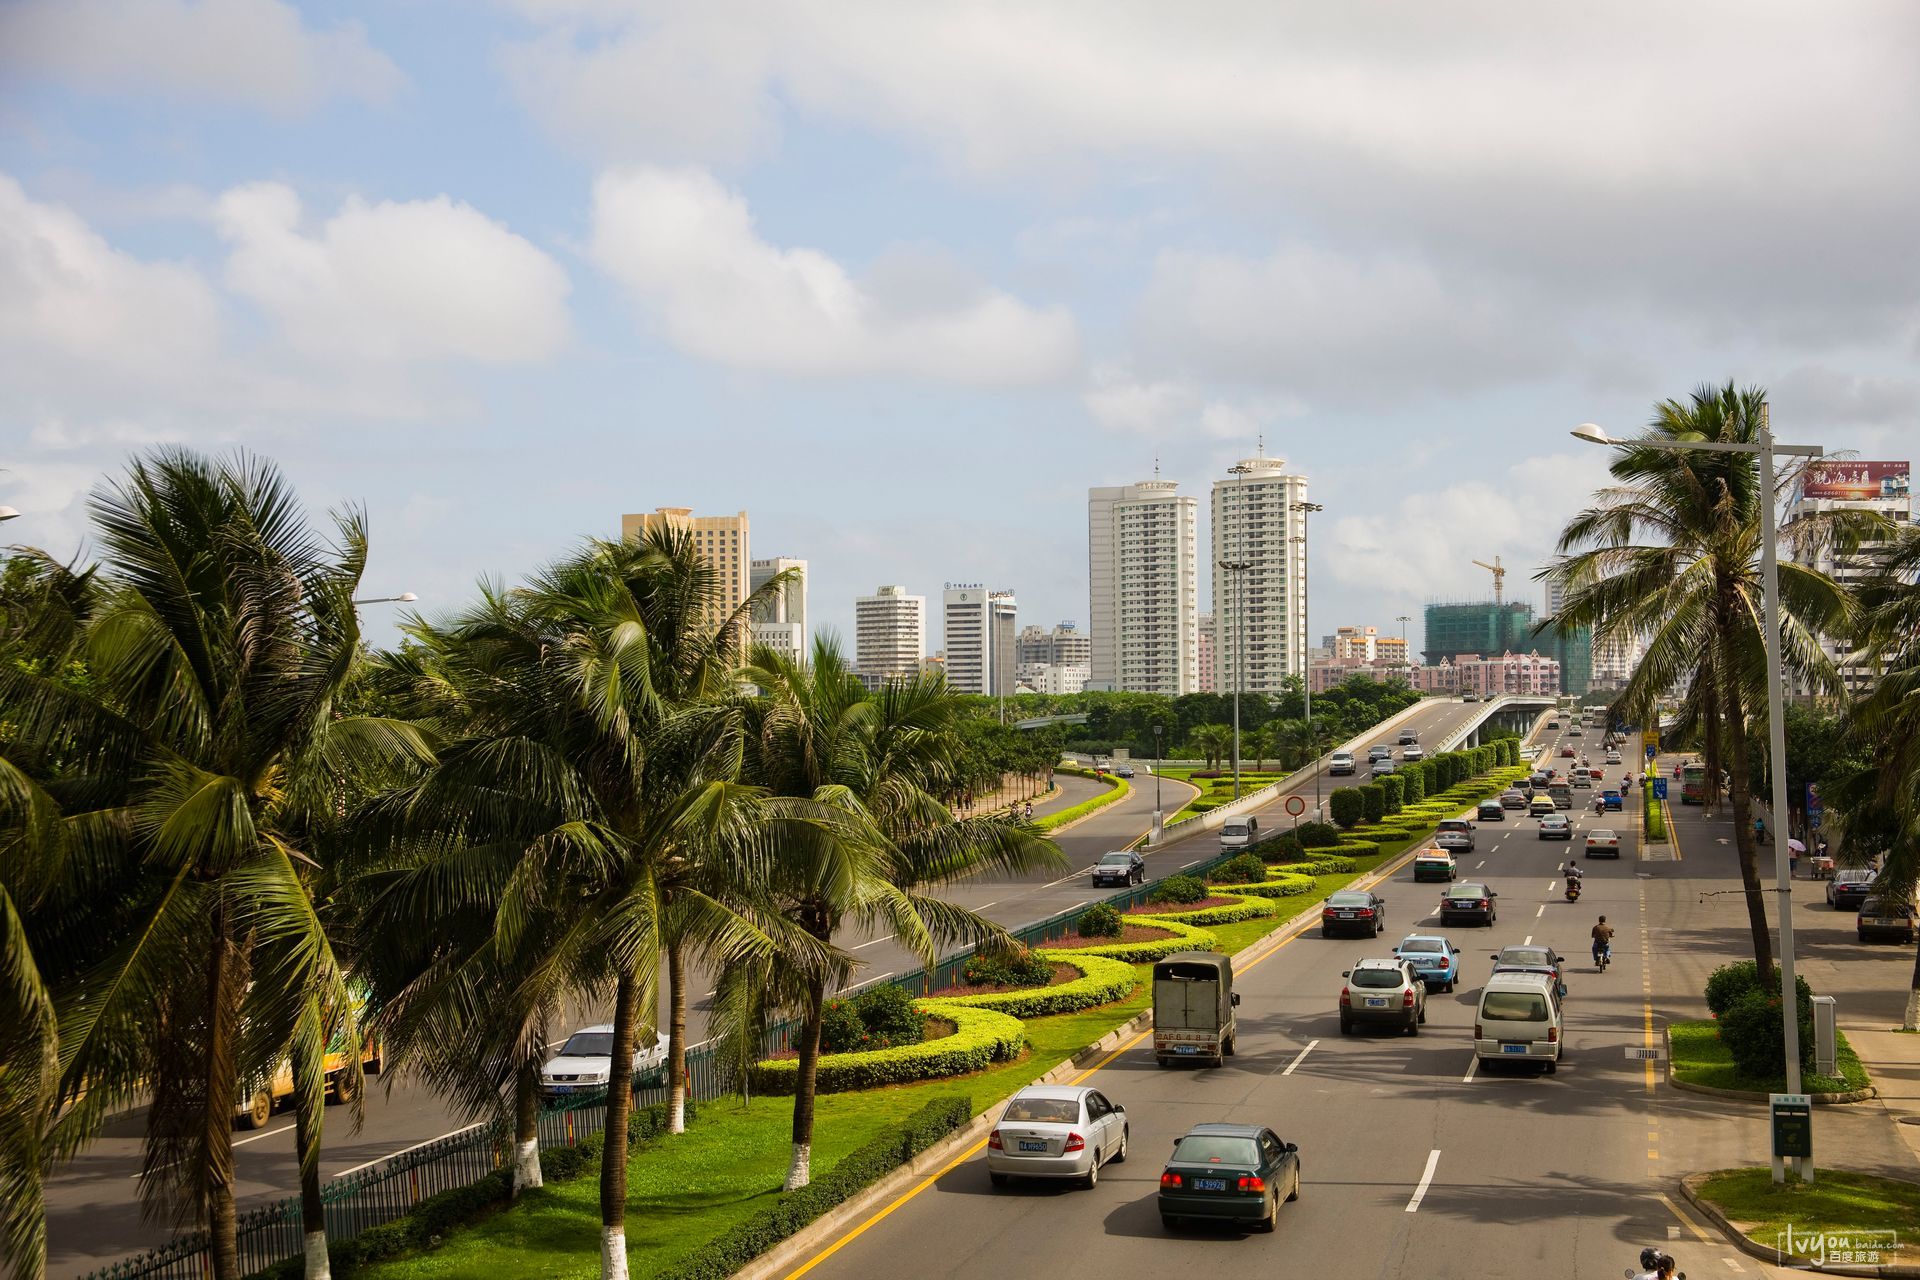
1858	481
1816	809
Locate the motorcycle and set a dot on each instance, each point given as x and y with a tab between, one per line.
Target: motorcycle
1573	890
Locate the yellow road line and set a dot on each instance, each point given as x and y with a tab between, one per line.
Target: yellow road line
1685	1220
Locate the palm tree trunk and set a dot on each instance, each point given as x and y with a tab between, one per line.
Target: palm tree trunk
676	1037
226	984
1742	803
613	1158
306	1144
526	1128
800	1169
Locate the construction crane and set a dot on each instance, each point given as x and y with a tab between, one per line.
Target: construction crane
1499	579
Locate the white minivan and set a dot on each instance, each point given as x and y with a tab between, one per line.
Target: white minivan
1238	833
1519	1020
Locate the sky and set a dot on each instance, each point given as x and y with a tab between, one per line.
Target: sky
903	281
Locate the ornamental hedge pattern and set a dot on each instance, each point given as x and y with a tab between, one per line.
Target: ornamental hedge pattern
981	1037
1101	981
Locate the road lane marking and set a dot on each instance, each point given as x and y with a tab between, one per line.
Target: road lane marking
238	1142
1483	862
415	1147
1299	1057
1472	1067
1685	1220
877	941
1528	941
1543	910
1426	1180
996	902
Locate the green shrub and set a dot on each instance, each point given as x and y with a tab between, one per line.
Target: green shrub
1346	806
1754	1031
1373	801
891	1018
1101	920
1015	967
1393	792
1327	865
1321	835
1179	889
1101	981
1729	982
981	1037
841	1029
748	1239
1185	937
1282	885
1276	848
1415	782
1227	914
1248	868
1054	821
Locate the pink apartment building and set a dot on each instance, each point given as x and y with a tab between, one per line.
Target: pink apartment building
1517	673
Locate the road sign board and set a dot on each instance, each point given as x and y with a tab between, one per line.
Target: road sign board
1792	1125
1660	792
1651	753
1296	806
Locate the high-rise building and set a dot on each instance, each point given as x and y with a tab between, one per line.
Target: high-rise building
1519	673
1573	650
1062	649
1614	659
979	634
1477	627
1257	524
1072	647
890	635
781	622
1033	647
1003	619
1207	672
1143	588
1885	487
720	540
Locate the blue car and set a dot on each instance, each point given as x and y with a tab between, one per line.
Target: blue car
1436	960
1613	800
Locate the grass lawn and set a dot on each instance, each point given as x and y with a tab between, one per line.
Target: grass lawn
728	1166
1835	1203
1700	1058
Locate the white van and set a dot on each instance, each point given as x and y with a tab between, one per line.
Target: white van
1519	1020
1239	833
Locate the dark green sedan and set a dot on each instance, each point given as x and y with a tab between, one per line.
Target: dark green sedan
1229	1172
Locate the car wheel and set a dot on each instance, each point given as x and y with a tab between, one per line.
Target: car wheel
1092	1178
1227	1048
1552	1067
1346	1027
259	1109
1271	1222
1863	938
346	1083
1413	1026
1423	1011
1294	1192
1164	1063
999	1179
1328	933
1120	1153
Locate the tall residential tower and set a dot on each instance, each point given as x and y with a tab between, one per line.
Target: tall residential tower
1259	568
1143	588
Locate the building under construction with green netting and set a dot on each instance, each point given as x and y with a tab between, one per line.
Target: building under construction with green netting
1490	629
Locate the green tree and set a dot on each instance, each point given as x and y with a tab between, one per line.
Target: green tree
1214	742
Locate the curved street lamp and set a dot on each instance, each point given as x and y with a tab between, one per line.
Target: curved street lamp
405	597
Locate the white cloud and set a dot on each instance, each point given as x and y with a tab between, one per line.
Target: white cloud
426	279
688	251
1172	408
253	51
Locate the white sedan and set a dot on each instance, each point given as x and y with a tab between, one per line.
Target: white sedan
585	1061
1603	842
1056	1131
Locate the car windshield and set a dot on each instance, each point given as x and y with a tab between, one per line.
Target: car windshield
1605	833
1525	955
1454	824
1207	1148
1853	877
1423	944
1351	900
1235	828
1375	977
1514	1006
1044	1110
589	1044
1467	891
1117	860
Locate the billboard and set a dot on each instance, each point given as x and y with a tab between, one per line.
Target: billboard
1857	481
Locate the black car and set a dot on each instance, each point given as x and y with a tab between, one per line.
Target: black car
1848	889
1353	911
1122	868
1467	903
1492	811
1230	1173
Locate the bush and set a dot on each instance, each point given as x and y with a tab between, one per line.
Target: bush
1754	1031
891	1018
1179	889
1100	920
1321	835
1729	982
1346	807
1186	937
1373	801
1248	868
981	1037
1101	981
753	1236
1250	907
1283	846
1415	782
1327	865
1017	967
1283	885
841	1028
1393	792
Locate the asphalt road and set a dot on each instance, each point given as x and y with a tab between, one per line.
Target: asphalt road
1417	1162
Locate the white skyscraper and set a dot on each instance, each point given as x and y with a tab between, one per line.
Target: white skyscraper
1143	589
978	635
889	635
781	623
1255	524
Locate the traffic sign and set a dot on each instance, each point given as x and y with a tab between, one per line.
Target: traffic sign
1296	806
1651	753
1659	788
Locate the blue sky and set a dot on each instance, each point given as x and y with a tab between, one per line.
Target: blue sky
903	282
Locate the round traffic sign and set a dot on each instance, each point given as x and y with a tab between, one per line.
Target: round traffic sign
1296	806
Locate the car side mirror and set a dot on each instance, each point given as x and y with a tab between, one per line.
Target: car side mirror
1348	973
1493	893
1290	1147
1116	1106
1236	999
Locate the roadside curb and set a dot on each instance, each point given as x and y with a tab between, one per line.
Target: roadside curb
1711	1213
1753	1095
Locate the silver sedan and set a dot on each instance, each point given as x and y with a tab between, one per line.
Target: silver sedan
1056	1131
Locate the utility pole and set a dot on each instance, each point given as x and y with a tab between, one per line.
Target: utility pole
1307	509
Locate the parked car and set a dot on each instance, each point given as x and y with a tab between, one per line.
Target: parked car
1353	910
1433	957
1433	864
1384	991
1886	918
1413	754
1056	1131
1341	763
1848	889
1513	799
1240	832
585	1061
1229	1172
1554	826
1454	833
1122	867
1604	842
1491	811
1468	903
1519	1019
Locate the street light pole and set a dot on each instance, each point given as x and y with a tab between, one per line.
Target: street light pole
405	597
1159	763
1307	509
1764	450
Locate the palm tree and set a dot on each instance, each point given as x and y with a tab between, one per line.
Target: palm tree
1672	552
1213	741
177	780
873	765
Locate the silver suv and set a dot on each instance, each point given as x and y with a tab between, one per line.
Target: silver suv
1455	834
1386	992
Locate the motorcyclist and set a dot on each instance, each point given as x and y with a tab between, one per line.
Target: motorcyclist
1655	1265
1602	940
1573	876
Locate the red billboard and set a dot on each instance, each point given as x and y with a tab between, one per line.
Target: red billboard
1857	481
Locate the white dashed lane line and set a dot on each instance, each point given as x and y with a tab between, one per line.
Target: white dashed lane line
1299	1057
1426	1180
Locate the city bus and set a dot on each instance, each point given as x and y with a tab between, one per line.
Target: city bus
1693	782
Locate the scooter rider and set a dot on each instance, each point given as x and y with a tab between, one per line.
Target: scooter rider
1602	940
1573	875
1655	1265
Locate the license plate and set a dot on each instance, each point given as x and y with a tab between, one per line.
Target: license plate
1513	1048
1187	1048
1348	915
1886	922
1026	1145
1375	1004
1209	1184
559	1088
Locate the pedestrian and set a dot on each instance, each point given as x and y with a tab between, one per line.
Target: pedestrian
1759	830
1029	811
1793	866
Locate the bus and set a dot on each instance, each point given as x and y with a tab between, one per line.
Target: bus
1693	782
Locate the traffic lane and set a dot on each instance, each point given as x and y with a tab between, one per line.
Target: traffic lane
93	1210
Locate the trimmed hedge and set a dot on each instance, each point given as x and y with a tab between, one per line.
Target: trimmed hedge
1186	937
1279	886
1326	865
748	1239
1346	806
1319	835
981	1037
1101	981
1054	821
1373	801
1393	791
1245	910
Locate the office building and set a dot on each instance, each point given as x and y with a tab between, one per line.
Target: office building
1885	487
1065	647
890	635
979	634
1367	645
1573	650
1049	677
780	622
1143	590
1003	619
1257	524
1614	659
720	540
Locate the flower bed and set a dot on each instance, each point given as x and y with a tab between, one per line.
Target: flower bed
1280	886
1098	981
1219	910
981	1037
1063	973
1181	911
1181	937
